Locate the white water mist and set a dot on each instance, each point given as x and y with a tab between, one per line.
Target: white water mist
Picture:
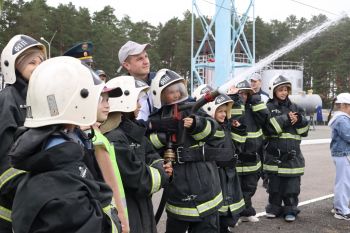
280	52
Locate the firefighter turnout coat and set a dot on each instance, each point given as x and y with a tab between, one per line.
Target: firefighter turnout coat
283	154
194	191
142	172
227	151
58	194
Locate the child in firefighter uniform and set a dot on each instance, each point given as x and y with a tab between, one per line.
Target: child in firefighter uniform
105	156
19	58
142	169
254	115
284	162
194	194
59	193
220	110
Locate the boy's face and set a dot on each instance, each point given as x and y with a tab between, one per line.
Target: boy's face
220	113
103	108
172	94
244	96
282	92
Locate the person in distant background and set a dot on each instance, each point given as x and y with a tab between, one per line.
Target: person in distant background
102	75
82	51
340	150
255	83
134	58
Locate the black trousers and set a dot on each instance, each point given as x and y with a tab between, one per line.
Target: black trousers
228	221
249	185
283	191
209	224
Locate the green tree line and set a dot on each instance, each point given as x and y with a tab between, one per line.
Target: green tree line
326	58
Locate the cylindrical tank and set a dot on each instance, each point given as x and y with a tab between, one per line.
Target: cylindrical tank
291	70
309	102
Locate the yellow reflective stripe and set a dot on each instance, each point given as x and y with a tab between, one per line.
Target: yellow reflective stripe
238	138
241	169
276	125
5	214
204	133
155	180
233	207
294	171
279	170
108	211
219	134
303	130
271	168
155	141
259	107
255	134
290	136
210	204
194	212
236	111
8	175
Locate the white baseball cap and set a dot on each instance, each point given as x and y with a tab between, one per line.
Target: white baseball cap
343	98
131	48
255	76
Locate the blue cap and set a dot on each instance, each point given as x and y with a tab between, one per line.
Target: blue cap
82	51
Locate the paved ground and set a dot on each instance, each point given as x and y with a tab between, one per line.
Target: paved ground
317	183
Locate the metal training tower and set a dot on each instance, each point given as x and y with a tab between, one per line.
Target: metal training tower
221	48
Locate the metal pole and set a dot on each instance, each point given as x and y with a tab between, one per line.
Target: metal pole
48	44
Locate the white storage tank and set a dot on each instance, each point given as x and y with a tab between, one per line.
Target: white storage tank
291	70
309	102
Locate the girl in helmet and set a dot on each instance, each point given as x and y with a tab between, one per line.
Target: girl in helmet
227	150
193	197
59	193
254	114
284	163
19	58
142	170
105	155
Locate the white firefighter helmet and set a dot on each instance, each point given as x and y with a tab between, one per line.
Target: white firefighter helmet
62	91
15	47
245	86
201	90
131	89
163	79
210	108
277	81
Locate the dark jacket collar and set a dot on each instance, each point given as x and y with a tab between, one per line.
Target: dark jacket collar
133	130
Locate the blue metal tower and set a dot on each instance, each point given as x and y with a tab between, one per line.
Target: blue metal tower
218	54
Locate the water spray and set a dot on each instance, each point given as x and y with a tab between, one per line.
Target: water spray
280	52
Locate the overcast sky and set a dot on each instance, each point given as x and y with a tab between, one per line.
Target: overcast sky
155	11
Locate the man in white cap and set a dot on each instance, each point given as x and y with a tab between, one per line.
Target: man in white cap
255	83
134	58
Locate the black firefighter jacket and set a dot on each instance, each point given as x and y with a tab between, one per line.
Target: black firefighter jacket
142	173
194	191
12	116
227	151
58	194
283	154
254	114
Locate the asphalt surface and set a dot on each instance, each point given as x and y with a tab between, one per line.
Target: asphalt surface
315	197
